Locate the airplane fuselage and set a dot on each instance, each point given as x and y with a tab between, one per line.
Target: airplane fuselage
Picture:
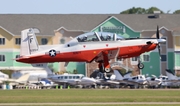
88	51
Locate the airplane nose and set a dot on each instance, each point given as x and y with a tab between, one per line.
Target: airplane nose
161	40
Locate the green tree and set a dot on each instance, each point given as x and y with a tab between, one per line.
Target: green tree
152	9
176	12
134	10
140	10
75	71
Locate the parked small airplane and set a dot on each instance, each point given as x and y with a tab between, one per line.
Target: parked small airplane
171	75
3	76
165	81
154	81
45	82
73	79
21	80
175	81
88	47
103	80
132	81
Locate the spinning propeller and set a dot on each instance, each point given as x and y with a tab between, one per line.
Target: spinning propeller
157	36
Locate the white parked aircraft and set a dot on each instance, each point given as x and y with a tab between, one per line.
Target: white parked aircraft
3	76
175	81
133	81
154	81
73	79
93	46
103	80
171	75
21	80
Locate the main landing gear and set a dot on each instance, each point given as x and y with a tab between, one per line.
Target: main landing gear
102	68
104	65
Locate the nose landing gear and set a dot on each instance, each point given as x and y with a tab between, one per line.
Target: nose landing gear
140	64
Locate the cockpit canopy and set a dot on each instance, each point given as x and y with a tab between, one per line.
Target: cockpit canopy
94	37
98	36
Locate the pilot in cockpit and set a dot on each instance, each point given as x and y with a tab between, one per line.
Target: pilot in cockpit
85	38
108	38
79	40
102	38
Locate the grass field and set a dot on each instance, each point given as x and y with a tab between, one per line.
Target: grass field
91	95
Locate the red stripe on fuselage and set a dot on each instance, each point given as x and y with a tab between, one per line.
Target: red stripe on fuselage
88	55
77	56
134	51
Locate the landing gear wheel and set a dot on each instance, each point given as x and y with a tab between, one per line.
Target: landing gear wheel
140	65
107	70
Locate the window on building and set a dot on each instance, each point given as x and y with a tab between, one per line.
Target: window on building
44	41
2	58
146	57
163	57
119	59
17	56
2	41
62	41
177	59
18	41
134	59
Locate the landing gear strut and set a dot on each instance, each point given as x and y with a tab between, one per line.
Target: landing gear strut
140	64
102	69
104	65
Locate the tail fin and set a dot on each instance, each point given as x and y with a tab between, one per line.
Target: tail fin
23	78
170	74
29	42
118	75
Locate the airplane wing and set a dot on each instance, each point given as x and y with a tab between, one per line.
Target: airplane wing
174	81
108	82
21	80
62	82
134	82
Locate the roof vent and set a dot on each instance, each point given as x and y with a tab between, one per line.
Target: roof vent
157	14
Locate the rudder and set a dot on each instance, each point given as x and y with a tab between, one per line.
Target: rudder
29	42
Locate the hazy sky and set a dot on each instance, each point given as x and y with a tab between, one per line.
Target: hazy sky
82	6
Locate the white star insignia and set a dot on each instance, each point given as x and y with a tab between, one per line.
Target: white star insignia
52	53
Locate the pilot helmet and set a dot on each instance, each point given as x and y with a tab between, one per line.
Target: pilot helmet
85	37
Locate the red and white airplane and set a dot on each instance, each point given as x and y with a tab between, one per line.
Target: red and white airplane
88	47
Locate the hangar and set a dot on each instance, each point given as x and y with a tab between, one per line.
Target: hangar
58	28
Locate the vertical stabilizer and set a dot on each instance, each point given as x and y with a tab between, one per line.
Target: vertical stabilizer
23	78
118	75
29	42
170	75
